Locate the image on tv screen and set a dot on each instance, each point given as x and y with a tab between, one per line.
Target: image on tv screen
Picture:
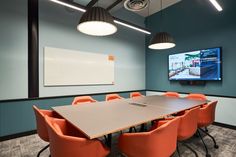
196	65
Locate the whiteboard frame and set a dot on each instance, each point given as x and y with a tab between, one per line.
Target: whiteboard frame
110	59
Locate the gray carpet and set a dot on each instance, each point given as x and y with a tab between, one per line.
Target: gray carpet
28	146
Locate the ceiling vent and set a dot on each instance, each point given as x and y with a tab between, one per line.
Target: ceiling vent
136	5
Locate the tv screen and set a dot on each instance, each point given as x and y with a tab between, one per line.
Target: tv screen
196	65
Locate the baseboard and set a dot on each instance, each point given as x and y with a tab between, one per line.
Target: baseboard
225	125
9	137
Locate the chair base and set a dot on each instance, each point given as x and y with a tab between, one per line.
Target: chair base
131	129
195	153
143	128
43	149
213	139
206	149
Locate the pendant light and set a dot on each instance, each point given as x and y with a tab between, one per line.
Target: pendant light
97	22
161	40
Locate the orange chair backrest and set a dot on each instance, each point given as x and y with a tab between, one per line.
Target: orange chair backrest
188	124
83	99
172	94
168	133
40	122
160	142
135	94
206	114
64	142
196	96
112	97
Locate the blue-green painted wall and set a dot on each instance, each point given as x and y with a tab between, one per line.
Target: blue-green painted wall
194	24
17	117
13	49
57	28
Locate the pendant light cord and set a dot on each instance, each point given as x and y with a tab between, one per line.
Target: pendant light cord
161	18
149	2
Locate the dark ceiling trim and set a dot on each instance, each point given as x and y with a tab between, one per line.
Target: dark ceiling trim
33	49
113	5
79	6
91	3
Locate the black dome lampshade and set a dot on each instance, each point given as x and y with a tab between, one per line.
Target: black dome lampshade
97	22
162	40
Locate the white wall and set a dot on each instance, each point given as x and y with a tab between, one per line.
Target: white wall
224	112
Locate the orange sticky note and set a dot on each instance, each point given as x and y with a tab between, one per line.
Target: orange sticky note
111	58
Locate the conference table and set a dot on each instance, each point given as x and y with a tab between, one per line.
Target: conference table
104	118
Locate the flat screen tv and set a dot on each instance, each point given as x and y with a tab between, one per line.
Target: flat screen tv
197	65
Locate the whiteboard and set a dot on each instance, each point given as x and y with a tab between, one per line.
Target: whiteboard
64	67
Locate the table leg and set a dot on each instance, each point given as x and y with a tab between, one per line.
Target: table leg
109	140
143	128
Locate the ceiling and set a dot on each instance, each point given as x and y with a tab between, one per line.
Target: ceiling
153	8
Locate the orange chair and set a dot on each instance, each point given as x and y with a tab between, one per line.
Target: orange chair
206	117
187	126
196	96
135	94
172	94
41	126
66	140
83	99
110	97
159	142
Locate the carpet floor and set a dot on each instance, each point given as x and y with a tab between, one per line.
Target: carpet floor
29	146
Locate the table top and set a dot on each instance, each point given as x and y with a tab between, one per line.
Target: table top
102	118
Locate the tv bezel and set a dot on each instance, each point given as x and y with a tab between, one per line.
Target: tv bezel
221	72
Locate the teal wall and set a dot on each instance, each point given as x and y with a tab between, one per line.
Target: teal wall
194	24
57	28
13	49
18	116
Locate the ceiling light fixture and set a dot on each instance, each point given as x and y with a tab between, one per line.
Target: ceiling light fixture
136	5
161	40
69	5
132	27
216	5
97	21
81	8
